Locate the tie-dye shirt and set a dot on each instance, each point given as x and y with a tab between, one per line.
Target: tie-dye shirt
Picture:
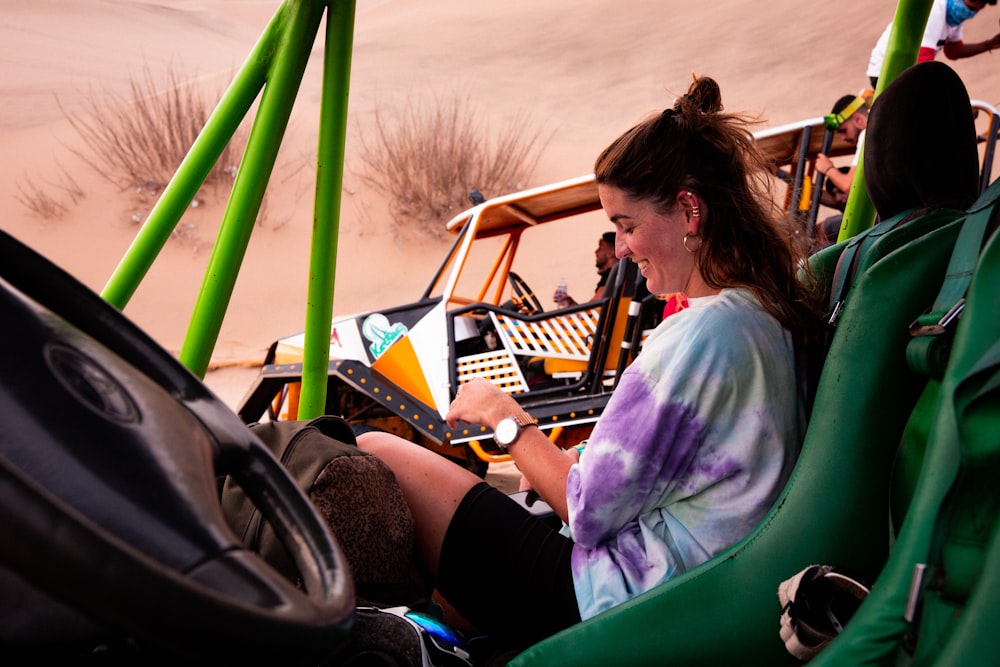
691	452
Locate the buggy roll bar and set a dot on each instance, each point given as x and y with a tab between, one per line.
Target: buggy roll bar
275	66
901	52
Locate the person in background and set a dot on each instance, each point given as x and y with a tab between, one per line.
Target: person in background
942	32
851	114
699	436
604	261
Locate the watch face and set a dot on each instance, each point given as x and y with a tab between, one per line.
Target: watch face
506	431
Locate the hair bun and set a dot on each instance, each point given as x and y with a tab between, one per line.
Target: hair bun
705	95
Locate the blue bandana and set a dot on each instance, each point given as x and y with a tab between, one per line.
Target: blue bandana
958	13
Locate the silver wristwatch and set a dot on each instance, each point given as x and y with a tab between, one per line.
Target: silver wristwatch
508	430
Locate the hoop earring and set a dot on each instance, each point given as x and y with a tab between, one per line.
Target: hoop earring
692	236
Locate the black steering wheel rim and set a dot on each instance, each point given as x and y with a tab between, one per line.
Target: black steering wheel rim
210	598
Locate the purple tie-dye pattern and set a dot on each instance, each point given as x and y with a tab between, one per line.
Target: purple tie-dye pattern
710	467
690	453
634	468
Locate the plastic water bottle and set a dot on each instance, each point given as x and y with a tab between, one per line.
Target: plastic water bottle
561	294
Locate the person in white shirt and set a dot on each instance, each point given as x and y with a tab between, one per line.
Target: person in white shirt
943	31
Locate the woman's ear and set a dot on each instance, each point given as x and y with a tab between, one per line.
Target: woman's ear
692	209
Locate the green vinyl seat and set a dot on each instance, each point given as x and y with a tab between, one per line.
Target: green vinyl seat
937	601
958	621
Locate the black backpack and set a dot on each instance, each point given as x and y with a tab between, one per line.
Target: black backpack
355	493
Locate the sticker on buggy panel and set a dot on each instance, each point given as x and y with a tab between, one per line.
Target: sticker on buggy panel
377	329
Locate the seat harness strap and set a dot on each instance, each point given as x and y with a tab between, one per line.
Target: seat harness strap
927	351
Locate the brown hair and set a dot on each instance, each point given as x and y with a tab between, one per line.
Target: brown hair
694	146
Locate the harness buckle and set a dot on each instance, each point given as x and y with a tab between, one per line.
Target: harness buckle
835	314
926	326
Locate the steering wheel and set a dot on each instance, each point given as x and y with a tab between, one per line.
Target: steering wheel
524	294
109	460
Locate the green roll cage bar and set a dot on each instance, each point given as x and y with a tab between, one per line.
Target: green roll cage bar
275	66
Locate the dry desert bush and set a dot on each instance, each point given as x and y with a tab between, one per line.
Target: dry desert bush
426	158
41	201
138	140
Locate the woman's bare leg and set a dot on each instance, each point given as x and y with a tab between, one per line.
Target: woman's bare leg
432	485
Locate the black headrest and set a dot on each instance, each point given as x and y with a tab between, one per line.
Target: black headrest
920	145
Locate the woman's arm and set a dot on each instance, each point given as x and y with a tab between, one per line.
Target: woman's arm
544	465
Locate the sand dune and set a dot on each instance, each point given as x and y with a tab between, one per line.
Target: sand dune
584	71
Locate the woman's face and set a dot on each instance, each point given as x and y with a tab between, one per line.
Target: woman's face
653	240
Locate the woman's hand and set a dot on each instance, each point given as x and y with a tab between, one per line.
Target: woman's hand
479	401
543	465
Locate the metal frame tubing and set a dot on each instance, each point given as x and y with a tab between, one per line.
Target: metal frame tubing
275	66
901	52
284	75
193	170
326	216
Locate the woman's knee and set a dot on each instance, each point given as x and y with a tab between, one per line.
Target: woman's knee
432	485
405	458
410	459
380	442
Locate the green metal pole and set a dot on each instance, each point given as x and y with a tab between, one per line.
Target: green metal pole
326	216
901	52
194	169
283	81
